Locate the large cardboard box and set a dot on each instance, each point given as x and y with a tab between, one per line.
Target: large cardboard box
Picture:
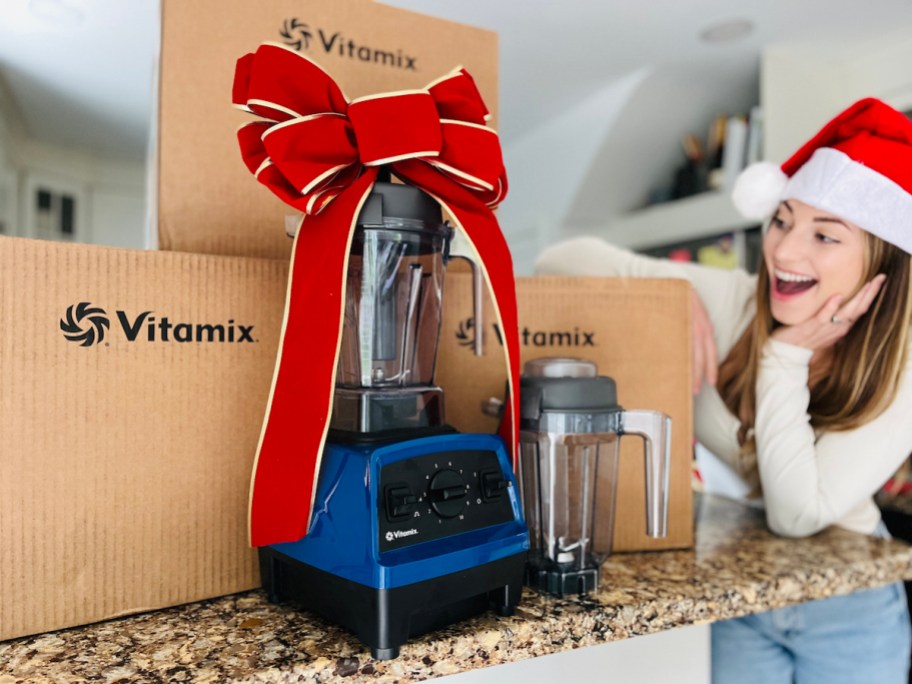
209	202
636	330
132	387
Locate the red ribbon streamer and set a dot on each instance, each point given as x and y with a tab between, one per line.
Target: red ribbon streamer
319	153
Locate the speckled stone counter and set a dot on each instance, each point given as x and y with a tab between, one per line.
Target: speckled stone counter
736	568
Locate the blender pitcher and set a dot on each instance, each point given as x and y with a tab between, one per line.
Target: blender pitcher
393	300
570	428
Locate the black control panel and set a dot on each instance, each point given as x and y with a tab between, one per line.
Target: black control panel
438	495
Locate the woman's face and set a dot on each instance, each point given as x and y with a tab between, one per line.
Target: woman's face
810	255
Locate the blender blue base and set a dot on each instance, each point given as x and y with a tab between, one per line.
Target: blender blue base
340	570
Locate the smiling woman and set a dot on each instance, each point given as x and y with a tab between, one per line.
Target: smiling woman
814	394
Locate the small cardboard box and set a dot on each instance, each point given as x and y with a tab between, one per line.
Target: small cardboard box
636	330
209	202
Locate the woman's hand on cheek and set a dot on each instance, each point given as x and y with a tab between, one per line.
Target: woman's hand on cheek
833	321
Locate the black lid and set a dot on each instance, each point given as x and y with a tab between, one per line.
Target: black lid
394	200
537	394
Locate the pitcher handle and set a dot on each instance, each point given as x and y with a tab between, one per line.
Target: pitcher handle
655	429
459	248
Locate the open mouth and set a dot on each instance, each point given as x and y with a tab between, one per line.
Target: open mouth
790	284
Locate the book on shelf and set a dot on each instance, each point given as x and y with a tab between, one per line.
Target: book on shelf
734	153
755	136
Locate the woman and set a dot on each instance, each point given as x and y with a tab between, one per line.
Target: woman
812	403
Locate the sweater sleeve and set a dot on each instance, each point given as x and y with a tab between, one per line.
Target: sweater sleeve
809	482
727	295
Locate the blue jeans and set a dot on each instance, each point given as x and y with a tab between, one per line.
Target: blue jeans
862	637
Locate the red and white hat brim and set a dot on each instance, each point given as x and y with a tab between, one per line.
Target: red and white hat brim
832	181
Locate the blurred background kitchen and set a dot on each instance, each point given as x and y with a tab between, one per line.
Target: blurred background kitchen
614	117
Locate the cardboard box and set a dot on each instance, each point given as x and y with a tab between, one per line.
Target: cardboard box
636	330
125	463
209	202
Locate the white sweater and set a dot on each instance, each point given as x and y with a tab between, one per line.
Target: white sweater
810	481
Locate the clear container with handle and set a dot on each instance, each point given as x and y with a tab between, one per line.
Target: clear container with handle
393	301
570	430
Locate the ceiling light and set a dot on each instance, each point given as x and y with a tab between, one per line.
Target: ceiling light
727	31
57	12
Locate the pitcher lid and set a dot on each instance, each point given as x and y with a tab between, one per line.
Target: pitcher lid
565	385
398	201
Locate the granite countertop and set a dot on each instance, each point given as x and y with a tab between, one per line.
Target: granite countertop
736	568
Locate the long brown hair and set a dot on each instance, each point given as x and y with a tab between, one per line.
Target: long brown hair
866	365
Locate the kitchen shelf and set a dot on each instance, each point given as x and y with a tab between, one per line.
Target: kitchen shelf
691	218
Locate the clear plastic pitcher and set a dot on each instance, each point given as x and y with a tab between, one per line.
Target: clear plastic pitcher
571	425
393	301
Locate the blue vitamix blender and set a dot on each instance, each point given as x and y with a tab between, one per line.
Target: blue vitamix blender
414	525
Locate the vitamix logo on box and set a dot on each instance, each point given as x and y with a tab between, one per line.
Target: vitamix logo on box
86	325
300	36
465	333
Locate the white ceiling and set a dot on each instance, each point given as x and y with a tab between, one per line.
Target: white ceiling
81	70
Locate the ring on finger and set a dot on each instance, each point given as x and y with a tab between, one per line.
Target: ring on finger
834	319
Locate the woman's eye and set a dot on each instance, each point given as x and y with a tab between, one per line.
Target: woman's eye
777	222
826	239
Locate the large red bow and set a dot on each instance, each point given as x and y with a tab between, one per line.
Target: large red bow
319	153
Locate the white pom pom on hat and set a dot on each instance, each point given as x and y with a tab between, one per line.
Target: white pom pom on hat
758	190
858	167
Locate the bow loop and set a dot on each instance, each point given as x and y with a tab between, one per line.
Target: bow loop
395	126
311	150
278	83
457	97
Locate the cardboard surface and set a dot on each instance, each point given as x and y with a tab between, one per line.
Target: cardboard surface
636	330
208	200
124	465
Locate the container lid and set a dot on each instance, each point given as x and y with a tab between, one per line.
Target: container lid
543	389
397	201
560	367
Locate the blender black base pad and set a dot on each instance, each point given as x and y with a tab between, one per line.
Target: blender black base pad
384	619
563	582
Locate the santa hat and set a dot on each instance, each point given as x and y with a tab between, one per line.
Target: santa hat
858	167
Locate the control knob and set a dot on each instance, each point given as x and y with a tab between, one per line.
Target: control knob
447	493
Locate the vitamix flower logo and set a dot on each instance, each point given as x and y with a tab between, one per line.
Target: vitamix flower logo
85	324
298	35
466	332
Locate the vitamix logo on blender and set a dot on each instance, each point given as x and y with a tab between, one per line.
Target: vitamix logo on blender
301	37
465	333
86	324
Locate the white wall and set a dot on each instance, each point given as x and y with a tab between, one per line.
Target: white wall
804	84
547	166
110	193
